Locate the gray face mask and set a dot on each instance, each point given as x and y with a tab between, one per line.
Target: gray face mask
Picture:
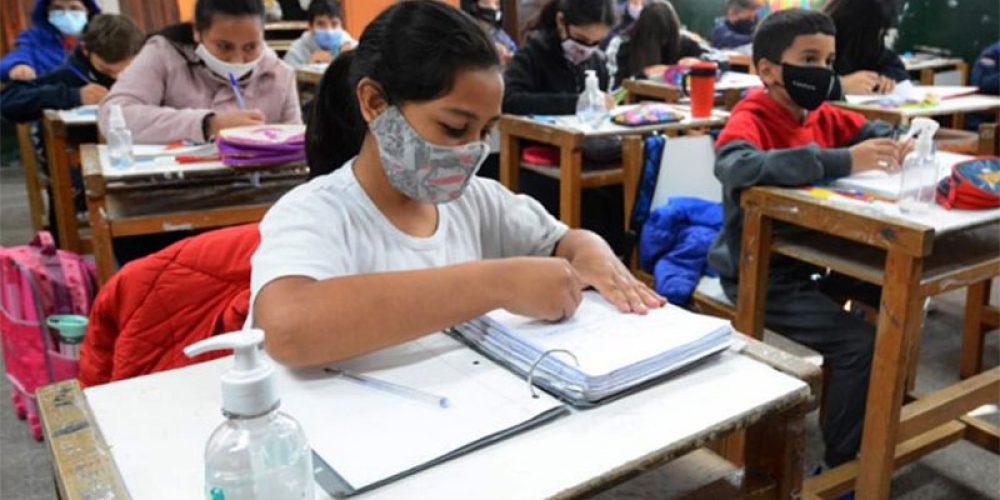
426	172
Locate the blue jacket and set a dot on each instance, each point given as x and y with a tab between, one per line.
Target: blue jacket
22	101
986	71
674	245
725	37
41	45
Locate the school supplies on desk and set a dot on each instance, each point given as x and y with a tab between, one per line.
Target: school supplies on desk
599	352
262	145
646	114
973	185
907	94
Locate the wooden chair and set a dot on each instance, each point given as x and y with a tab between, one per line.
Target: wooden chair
35	182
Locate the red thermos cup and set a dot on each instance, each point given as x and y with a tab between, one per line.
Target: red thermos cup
699	84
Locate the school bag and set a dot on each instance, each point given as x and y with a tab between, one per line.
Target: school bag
973	185
37	281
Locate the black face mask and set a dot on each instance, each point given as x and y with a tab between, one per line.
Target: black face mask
744	26
491	16
809	86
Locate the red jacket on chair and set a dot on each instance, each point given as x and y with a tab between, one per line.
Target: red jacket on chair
155	306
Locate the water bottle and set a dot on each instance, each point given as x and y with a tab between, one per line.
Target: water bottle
119	139
258	453
591	107
919	175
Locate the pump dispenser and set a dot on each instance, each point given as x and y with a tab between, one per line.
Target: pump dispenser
258	452
591	106
919	176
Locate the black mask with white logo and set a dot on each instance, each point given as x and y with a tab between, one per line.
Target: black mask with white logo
809	86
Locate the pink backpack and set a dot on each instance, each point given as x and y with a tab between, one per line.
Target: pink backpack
37	281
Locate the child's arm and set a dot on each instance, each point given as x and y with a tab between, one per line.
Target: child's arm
24	101
310	322
739	164
21	54
298	54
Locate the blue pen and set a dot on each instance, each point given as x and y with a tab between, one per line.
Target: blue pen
391	388
236	90
78	73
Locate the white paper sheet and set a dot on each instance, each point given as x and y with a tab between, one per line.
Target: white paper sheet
906	92
83	115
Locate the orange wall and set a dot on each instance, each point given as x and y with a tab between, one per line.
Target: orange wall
357	13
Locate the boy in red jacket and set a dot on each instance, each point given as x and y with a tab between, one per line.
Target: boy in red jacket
787	135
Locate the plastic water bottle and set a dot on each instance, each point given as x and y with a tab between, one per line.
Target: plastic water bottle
591	107
919	176
119	139
258	453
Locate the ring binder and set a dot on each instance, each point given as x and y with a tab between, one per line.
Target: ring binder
531	371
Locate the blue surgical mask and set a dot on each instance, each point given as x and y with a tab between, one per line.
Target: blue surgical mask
68	22
329	40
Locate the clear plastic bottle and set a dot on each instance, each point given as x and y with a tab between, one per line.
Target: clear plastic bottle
258	453
119	139
919	175
591	107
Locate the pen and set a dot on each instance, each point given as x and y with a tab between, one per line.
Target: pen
399	390
236	90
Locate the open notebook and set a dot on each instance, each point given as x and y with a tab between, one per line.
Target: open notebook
888	185
600	352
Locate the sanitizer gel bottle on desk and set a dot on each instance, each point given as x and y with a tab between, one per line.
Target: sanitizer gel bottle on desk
919	177
119	139
591	108
259	452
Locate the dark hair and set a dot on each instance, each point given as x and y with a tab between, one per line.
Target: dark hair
576	13
778	30
204	14
113	37
414	50
861	26
654	38
741	5
319	8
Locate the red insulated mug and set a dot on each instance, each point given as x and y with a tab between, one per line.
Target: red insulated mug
699	84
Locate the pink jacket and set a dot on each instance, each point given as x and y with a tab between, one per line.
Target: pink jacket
167	91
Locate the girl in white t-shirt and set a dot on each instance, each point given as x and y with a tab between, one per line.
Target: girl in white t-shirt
395	237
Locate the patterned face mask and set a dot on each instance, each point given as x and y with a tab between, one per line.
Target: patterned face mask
423	171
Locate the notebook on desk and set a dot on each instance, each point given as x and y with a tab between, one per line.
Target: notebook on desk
888	185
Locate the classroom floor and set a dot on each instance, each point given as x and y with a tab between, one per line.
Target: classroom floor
960	471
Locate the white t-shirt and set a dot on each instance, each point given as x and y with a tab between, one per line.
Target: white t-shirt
329	227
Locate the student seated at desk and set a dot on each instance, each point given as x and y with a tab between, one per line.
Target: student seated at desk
324	40
652	43
488	14
547	74
107	46
178	87
395	237
736	29
628	13
985	75
57	25
787	135
864	63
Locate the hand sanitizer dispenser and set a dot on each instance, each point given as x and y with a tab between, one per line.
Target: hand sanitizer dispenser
259	452
591	107
920	172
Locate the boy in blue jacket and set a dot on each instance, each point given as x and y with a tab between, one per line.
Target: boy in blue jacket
106	48
736	29
57	24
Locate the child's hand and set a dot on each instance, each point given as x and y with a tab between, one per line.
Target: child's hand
235	118
92	93
885	85
320	57
505	55
904	148
875	154
616	284
860	82
609	101
22	72
541	287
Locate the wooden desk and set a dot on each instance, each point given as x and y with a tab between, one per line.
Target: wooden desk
741	62
307	79
284	30
902	116
64	132
729	90
910	258
566	134
280	46
925	70
138	201
87	444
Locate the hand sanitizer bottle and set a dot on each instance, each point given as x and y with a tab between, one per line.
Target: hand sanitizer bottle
119	139
591	107
919	176
259	452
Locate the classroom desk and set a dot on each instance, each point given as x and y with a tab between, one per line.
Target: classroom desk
729	90
902	116
142	200
307	79
741	62
64	132
925	70
284	30
911	258
605	445
568	137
